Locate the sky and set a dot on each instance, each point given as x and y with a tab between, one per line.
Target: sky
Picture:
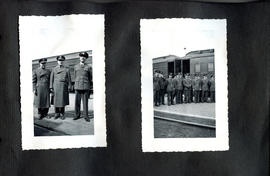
171	36
50	36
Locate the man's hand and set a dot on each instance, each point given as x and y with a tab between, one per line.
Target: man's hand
51	90
35	92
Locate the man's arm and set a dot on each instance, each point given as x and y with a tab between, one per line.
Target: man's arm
69	79
51	80
34	81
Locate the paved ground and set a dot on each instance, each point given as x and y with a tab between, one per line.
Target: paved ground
196	113
55	127
166	129
201	109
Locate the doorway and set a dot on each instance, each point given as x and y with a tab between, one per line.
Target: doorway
186	66
170	68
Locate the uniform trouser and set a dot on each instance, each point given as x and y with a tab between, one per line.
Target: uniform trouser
170	97
212	96
197	95
187	93
161	96
191	95
204	95
43	111
156	97
84	95
179	96
59	110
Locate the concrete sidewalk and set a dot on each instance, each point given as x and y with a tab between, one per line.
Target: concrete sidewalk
67	126
193	109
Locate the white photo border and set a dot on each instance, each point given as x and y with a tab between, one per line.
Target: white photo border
218	143
92	28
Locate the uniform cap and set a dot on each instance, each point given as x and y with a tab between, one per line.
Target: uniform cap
84	54
60	58
42	61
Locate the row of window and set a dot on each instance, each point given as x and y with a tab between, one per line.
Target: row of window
210	67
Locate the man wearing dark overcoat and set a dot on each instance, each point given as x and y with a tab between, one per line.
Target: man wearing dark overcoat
187	89
197	87
60	84
162	89
179	88
212	89
205	88
156	88
170	90
83	82
41	88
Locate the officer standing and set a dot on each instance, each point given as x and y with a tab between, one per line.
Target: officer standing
60	85
205	89
83	82
170	90
162	89
187	88
41	88
197	87
212	89
156	87
179	88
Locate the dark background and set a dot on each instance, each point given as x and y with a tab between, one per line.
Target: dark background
248	34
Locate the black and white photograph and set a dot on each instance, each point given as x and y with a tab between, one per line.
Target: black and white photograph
61	86
184	95
62	73
184	78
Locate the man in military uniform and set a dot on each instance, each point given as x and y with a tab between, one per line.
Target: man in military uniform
179	88
187	88
170	89
60	85
197	87
205	88
156	88
212	89
41	89
83	81
162	89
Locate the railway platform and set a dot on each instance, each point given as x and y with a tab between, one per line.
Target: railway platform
58	127
185	120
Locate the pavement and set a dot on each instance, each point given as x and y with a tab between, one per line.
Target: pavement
193	109
187	120
58	127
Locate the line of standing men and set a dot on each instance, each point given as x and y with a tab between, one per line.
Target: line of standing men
183	90
58	83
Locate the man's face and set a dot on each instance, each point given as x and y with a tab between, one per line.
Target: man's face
42	65
60	62
82	59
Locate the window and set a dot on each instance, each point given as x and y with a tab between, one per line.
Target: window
197	68
210	67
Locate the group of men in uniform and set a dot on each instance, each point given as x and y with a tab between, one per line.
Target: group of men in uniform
183	89
57	82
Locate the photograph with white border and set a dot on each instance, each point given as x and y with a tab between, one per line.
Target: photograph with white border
184	85
62	81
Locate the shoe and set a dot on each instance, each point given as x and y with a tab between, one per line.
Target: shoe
62	117
40	117
56	115
76	118
48	117
87	119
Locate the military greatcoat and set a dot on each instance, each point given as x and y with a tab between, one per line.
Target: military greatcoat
212	84
205	84
41	83
60	82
